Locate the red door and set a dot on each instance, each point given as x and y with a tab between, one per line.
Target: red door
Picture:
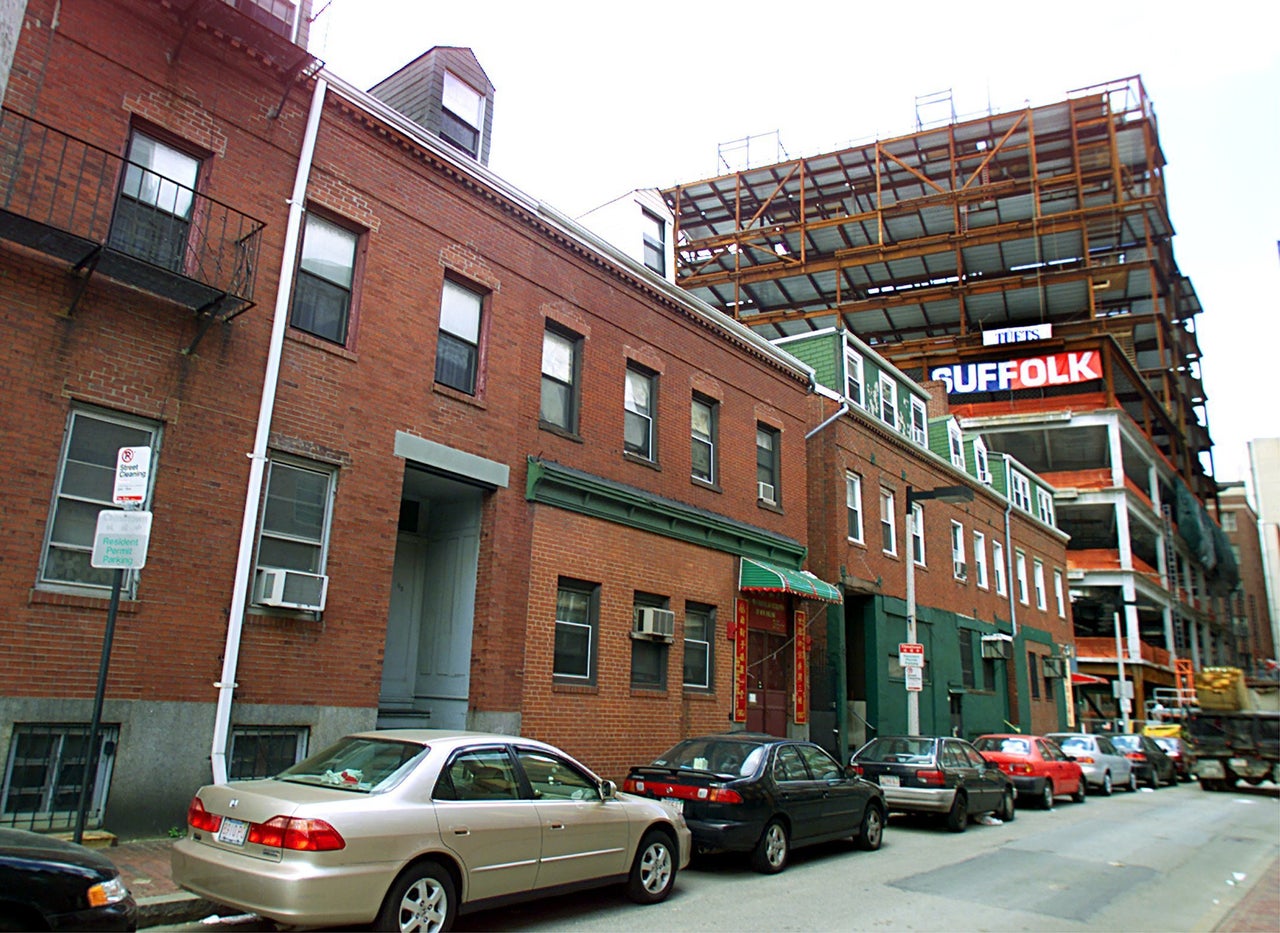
768	682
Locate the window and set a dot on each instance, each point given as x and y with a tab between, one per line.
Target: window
641	408
960	568
295	516
462	114
980	559
999	567
919	422
888	523
1228	521
86	486
981	463
699	637
888	400
967	678
917	533
153	212
853	505
458	349
1037	579
1020	490
1020	568
322	288
561	352
703	428
265	751
576	613
1044	505
1058	594
955	444
1034	675
655	242
45	771
854	386
767	444
649	656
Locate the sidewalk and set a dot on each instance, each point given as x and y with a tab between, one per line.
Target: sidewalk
144	866
1259	910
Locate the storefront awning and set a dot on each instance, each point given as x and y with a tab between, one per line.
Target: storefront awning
762	577
1080	680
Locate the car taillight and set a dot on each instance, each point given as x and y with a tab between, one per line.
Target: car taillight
1135	756
200	818
632	786
1084	759
858	770
1020	767
281	832
931	777
724	795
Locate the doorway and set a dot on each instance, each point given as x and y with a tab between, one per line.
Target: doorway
768	682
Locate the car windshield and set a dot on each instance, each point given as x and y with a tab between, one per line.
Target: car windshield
1132	743
898	750
1008	745
1073	743
362	765
737	757
1169	745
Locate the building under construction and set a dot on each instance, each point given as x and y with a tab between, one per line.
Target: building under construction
1022	264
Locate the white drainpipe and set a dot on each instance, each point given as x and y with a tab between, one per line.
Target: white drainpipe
258	459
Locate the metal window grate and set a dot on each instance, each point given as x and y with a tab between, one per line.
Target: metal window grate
44	773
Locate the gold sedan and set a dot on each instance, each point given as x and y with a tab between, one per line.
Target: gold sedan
407	828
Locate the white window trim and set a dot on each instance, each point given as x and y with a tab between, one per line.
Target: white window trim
853	484
1020	491
1044	506
980	559
1037	577
889	394
917	533
853	361
1058	594
957	551
981	461
919	434
888	519
955	444
999	568
1020	570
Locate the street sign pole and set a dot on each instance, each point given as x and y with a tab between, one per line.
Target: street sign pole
90	752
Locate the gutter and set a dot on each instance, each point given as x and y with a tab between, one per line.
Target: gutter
258	458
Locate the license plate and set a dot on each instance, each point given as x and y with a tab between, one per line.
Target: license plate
889	780
233	832
675	803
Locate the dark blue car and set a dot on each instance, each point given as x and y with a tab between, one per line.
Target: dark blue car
49	884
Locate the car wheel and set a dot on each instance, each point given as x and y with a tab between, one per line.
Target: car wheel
958	815
653	872
871	832
1133	782
1046	795
422	899
770	855
1078	796
1106	785
1006	813
1154	781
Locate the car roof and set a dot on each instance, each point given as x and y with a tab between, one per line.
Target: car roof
449	738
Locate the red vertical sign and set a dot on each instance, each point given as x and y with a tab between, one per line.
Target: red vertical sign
801	678
740	662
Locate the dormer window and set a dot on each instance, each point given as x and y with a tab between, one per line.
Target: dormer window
955	444
919	422
981	464
655	242
462	117
888	401
853	379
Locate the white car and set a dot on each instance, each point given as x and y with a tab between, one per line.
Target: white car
1104	766
405	829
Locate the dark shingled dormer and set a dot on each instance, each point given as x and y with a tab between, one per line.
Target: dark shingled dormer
447	93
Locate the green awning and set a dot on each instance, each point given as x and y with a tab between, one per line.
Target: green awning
761	577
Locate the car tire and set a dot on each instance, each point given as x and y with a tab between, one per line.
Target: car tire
1133	782
653	871
1007	811
1154	781
423	898
1106	785
958	815
772	849
1046	795
1079	795
871	832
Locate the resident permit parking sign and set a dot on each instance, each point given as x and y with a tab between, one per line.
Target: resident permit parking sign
915	679
120	541
133	469
911	654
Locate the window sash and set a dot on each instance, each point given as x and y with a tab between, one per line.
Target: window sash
919	422
322	287
1037	577
854	386
638	428
1020	568
956	442
294	530
1058	593
853	506
573	656
767	459
888	401
917	533
888	524
957	546
702	431
699	629
998	567
980	558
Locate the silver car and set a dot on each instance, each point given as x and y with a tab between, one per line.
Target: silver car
1104	766
405	829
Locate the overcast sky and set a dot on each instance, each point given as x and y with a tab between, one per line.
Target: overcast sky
595	99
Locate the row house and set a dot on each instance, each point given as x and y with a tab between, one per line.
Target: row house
419	450
1253	645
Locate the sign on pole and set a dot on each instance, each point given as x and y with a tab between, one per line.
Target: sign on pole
911	654
915	679
133	469
120	540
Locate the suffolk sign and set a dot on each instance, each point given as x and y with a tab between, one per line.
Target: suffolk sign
1029	372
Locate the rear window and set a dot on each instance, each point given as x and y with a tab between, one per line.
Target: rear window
362	765
909	751
736	757
1073	743
1006	746
1132	743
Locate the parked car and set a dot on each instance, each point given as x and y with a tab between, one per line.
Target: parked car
50	884
750	792
1105	767
939	775
1039	769
1181	753
1150	762
406	829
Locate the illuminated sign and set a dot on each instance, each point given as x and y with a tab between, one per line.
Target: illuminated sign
1032	372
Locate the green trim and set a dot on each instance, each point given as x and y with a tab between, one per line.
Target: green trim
758	575
566	488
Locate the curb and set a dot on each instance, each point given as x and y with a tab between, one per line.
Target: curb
170	909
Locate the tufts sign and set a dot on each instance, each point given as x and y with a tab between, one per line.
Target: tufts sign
1031	372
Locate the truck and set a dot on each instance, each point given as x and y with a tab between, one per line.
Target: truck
1234	728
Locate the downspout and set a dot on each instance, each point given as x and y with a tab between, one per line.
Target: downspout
1008	567
258	459
844	409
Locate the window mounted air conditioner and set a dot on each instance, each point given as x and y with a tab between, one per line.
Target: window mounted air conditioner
1053	667
961	569
997	646
654	623
290	589
765	493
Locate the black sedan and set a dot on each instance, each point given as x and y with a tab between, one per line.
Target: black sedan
749	792
49	884
1152	766
936	774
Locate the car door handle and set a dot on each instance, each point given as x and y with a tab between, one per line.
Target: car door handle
461	831
555	826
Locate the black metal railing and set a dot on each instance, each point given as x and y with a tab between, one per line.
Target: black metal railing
53	182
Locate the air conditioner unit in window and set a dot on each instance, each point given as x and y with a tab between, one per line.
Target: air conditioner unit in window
961	569
1053	667
290	589
765	492
655	623
997	646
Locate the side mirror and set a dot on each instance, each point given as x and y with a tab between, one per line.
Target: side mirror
608	790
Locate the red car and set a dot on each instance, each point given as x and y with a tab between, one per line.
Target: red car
1040	770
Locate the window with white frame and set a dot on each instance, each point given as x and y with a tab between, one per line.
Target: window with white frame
980	559
888	523
955	444
768	464
1058	594
959	567
981	462
703	420
655	241
919	422
85	487
1020	490
855	388
1044	505
265	751
574	658
699	640
322	289
888	400
917	533
462	116
1037	580
1228	521
296	512
561	352
641	405
1020	569
853	506
999	567
458	344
